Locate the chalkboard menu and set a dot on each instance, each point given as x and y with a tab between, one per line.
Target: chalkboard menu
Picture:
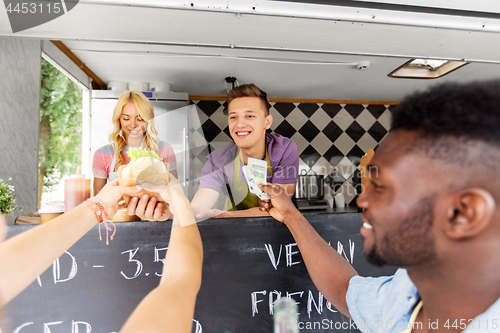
248	264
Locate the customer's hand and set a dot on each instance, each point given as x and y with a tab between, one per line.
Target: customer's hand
112	193
150	209
280	205
264	205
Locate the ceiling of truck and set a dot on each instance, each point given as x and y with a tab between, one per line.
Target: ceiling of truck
290	49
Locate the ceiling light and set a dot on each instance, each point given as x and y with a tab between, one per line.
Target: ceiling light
426	68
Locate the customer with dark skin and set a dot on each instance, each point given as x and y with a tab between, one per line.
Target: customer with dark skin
432	208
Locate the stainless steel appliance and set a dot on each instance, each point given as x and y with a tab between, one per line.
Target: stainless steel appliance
309	192
313	204
174	118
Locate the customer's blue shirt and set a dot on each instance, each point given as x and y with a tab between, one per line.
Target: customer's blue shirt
385	304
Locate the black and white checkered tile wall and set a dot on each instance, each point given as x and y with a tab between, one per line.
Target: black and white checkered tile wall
331	137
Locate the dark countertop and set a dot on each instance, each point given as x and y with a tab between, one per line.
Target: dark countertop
335	210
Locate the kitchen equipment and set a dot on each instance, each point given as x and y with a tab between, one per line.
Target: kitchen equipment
313	204
301	188
315	188
309	192
310	186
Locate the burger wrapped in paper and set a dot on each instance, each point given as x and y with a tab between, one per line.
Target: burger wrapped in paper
147	170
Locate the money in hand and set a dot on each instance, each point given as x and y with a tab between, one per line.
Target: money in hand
256	173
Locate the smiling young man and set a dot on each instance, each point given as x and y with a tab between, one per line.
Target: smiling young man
432	209
248	118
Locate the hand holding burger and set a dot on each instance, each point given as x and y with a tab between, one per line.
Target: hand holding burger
146	170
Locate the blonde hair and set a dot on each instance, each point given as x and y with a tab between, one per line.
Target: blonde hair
146	112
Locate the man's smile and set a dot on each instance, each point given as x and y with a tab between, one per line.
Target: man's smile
242	133
366	223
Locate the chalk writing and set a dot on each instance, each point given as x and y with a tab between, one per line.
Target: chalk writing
255	310
340	250
197	327
81	327
139	266
300	293
18	329
272	300
159	258
247	267
289	254
46	326
270	253
318	305
76	324
56	269
275	295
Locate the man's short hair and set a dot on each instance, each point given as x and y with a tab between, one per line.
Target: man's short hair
468	111
457	124
248	90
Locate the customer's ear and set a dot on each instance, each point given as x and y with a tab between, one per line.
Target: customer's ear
470	213
269	122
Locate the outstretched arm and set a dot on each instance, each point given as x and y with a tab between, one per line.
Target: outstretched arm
329	271
29	254
289	189
204	200
170	306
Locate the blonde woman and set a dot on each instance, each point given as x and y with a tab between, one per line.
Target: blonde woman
134	127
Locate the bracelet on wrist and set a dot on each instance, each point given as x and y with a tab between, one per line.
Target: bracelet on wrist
98	208
101	211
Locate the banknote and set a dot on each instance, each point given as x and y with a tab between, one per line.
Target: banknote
256	173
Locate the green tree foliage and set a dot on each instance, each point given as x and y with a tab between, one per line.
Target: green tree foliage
7	197
60	127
